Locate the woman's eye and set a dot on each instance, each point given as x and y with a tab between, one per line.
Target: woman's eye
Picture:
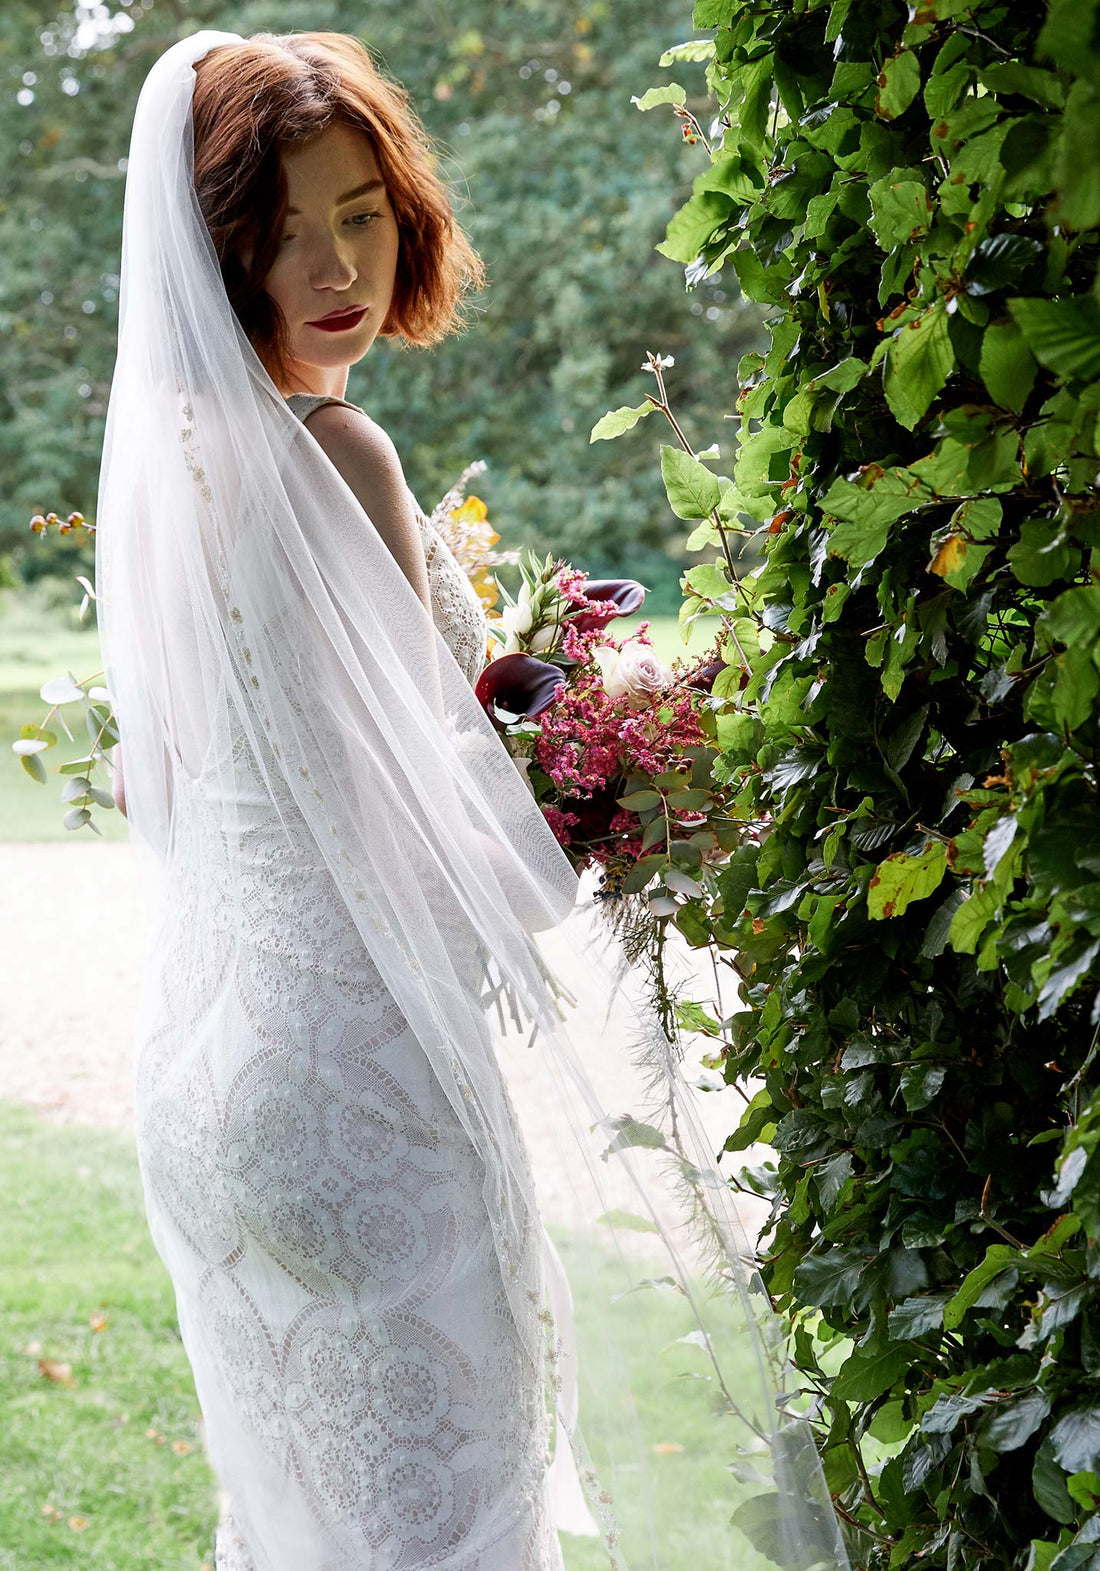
351	220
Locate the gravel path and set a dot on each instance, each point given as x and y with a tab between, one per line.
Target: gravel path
74	927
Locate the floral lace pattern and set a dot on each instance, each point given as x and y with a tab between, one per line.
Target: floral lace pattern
321	1210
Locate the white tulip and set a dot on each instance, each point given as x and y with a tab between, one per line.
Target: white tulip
516	619
544	638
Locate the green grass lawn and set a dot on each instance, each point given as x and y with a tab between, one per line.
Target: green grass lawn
108	1471
36	643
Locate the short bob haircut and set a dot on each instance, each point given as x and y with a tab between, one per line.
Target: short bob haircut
272	90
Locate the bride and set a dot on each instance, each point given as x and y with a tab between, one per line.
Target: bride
364	926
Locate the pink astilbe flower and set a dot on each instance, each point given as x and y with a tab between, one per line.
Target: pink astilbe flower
560	822
570	580
579	746
589	739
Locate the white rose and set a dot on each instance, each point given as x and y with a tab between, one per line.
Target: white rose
641	671
633	671
607	658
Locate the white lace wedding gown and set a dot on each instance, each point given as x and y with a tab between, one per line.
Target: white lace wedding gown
320	1210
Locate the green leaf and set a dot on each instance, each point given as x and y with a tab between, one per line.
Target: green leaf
1008	367
1041	555
1075	1439
1074	617
1001	260
979	517
1009	1424
921	1084
616	421
839	378
1077	179
710	581
916	1316
756	1118
998	1258
997	841
1065	977
765	1521
898	85
1076	683
919	359
692	490
971	920
869	1371
1048	1483
830	1278
636	801
902	879
947	1412
692	49
1063	334
1085	1489
630	1131
692	225
957	560
1010	76
673	93
867	510
939	925
901	211
731	176
34	766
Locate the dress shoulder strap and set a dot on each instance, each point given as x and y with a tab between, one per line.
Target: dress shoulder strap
303	404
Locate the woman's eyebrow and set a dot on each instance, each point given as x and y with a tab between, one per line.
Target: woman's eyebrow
360	190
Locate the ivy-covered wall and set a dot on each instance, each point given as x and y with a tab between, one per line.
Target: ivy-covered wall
913	194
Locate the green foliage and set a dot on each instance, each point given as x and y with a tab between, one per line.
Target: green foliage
911	195
559	180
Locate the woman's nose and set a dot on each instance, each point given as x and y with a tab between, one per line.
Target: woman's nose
331	265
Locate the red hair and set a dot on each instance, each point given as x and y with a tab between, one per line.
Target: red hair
272	90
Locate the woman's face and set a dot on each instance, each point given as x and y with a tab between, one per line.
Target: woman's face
337	251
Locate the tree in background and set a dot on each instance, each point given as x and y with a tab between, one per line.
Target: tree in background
561	182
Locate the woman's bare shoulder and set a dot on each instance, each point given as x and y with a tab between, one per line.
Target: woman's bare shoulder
362	450
366	458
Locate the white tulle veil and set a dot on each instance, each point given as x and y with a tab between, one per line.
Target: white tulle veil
243	593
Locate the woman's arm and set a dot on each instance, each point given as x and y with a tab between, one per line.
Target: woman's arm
367	459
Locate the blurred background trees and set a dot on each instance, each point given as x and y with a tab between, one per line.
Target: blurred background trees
563	185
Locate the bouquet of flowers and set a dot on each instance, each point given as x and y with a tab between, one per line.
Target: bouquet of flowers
616	746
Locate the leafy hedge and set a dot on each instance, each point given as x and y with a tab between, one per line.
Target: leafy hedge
913	193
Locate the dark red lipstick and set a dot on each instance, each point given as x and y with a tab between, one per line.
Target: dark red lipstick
339	321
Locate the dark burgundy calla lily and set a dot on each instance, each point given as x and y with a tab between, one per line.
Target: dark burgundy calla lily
521	684
626	594
705	676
